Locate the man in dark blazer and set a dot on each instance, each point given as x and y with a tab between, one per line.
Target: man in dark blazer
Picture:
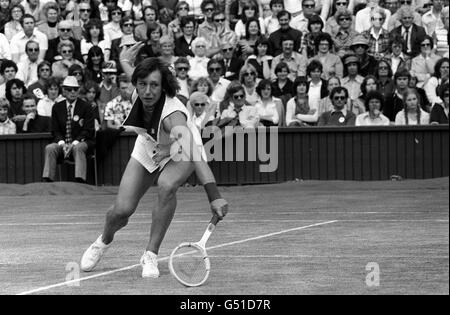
65	33
232	63
412	34
33	122
72	126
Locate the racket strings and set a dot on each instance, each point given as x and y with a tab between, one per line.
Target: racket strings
189	265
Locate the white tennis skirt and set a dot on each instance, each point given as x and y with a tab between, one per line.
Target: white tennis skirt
143	152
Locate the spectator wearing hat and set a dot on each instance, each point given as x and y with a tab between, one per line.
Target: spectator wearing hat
33	121
345	32
119	107
295	61
363	17
301	21
64	33
7	126
339	115
378	37
108	86
373	115
19	41
61	68
72	126
200	109
367	63
410	32
352	80
27	69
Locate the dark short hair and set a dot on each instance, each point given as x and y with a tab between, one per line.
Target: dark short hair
314	65
52	81
373	95
27	16
338	89
169	82
115	8
429	38
262	41
397	40
273	2
186	20
283	13
180	60
262	84
215	61
17	6
280	66
7	64
205	3
42	64
322	37
364	83
297	82
10	83
152	8
402	73
315	19
153	26
126	19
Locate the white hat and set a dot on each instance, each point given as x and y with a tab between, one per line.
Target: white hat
71	81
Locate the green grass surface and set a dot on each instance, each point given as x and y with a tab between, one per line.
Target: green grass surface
402	226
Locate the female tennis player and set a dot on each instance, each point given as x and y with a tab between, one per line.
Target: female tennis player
161	115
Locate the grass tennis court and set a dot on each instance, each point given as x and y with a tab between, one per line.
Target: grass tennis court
312	237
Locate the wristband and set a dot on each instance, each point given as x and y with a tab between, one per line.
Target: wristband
212	192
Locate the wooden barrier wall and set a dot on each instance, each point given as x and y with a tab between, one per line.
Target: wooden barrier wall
333	153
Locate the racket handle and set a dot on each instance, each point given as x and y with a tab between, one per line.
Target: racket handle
214	220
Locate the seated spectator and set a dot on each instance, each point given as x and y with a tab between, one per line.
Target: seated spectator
249	12
367	63
181	10
331	63
300	21
37	88
72	126
223	34
246	45
15	91
271	23
370	83
94	61
332	25
441	75
431	19
394	102
397	58
182	68
422	66
236	112
282	87
108	87
384	76
352	79
199	62
317	87
296	62
207	27
117	110
33	121
231	61
64	34
5	49
183	43
28	67
141	33
77	71
270	110
285	30
51	95
7	126
49	25
339	115
60	68
372	115
112	30
440	35
220	84
396	18
345	34
325	103
247	77
14	26
439	112
202	85
95	37
260	60
126	40
5	15
377	35
166	46
297	112
201	111
309	48
8	70
412	113
362	20
424	102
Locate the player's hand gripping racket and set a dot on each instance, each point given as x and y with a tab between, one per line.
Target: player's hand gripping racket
189	262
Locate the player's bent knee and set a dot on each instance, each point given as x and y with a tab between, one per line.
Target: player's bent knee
122	210
167	187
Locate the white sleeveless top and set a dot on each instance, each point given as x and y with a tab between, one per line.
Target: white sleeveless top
145	145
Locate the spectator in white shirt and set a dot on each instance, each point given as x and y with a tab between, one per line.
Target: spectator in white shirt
27	68
373	115
8	70
95	37
220	85
200	109
112	30
19	41
432	19
270	110
5	49
182	68
14	26
363	21
412	113
271	22
199	62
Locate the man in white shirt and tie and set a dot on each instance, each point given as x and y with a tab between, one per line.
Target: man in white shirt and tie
27	68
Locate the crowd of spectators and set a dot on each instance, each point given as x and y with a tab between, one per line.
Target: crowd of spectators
246	63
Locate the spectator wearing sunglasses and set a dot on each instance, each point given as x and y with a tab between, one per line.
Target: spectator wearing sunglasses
423	65
363	17
301	21
208	27
200	109
28	67
220	84
174	27
37	88
113	29
332	25
61	68
64	34
231	62
182	67
377	35
199	62
345	33
339	115
395	21
367	63
80	20
14	26
126	40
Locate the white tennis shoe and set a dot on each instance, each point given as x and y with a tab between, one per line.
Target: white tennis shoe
93	254
149	263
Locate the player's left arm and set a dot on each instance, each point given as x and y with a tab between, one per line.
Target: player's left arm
183	142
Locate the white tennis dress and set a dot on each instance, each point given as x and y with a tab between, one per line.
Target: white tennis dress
145	145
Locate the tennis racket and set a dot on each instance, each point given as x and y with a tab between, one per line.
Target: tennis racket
189	262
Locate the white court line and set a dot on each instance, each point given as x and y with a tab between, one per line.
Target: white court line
231	221
66	283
